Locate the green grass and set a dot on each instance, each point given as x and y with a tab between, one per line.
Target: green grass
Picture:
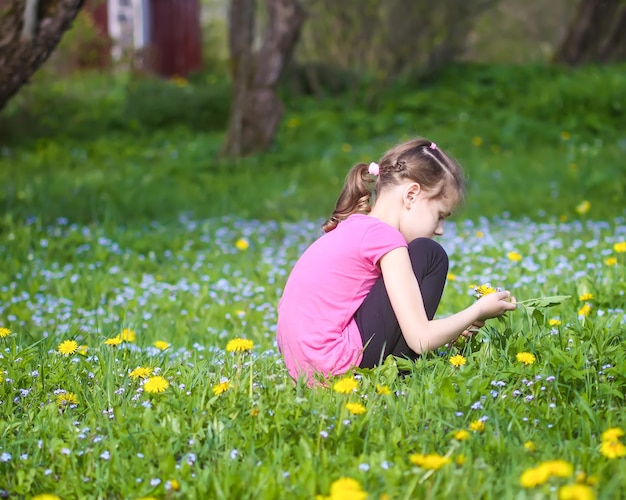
108	224
130	150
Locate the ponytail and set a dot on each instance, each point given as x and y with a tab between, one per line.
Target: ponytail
354	197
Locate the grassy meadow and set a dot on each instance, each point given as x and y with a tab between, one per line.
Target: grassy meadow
140	273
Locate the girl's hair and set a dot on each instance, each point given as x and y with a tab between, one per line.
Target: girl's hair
418	160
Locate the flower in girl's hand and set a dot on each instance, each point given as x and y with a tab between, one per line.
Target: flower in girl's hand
485	289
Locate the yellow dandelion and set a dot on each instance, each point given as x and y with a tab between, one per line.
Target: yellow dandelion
173	485
242	244
559	468
451	277
460	459
477	141
114	341
46	496
563	218
179	81
461	435
613	449
140	372
482	290
432	461
514	256
583	207
346	385
221	388
612	434
155	384
585	310
565	136
66	398
480	234
346	148
534	477
525	357
477	426
254	412
67	347
582	478
458	360
585	296
610	261
239	345
82	350
355	408
161	344
576	492
293	122
383	390
4	332
620	247
128	335
530	446
347	488
554	322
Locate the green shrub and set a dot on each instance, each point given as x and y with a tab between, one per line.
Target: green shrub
153	104
533	141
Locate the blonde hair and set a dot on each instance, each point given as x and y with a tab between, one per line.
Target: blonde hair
418	160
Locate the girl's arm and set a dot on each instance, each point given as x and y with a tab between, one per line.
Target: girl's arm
406	299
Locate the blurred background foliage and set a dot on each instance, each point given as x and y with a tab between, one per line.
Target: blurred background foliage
120	145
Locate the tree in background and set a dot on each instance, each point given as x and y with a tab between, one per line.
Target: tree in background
29	32
256	109
386	38
597	34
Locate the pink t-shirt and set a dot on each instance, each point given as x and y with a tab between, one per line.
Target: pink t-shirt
316	327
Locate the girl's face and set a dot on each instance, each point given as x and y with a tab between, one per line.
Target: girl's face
424	215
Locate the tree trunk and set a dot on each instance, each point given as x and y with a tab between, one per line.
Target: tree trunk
29	32
256	109
597	34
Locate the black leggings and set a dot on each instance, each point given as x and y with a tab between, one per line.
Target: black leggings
375	318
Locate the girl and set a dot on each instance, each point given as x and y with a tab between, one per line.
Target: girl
370	286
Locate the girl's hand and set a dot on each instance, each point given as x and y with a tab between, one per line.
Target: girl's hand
473	328
494	305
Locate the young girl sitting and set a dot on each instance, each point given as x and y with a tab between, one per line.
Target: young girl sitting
370	286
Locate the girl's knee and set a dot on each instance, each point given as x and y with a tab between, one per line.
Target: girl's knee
428	257
428	246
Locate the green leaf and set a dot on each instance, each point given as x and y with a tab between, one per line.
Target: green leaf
404	364
539	316
447	391
551	301
389	370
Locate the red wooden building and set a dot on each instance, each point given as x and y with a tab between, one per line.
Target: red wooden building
166	33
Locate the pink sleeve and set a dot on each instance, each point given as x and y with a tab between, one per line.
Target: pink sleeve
379	240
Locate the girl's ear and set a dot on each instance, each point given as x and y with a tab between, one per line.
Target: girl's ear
412	192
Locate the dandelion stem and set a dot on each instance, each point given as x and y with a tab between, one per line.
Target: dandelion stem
239	363
251	375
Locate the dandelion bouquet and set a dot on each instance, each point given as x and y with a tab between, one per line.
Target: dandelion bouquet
534	315
532	307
